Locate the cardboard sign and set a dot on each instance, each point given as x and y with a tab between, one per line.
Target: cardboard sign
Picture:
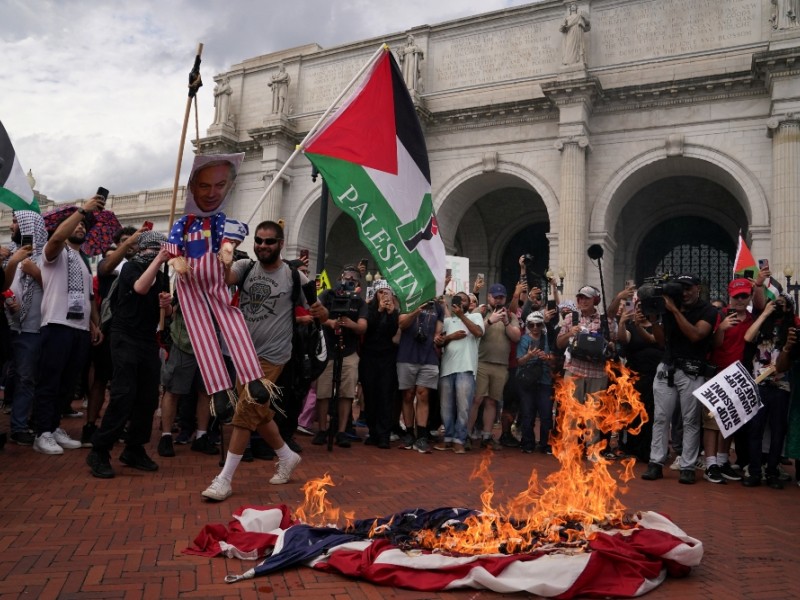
731	396
459	265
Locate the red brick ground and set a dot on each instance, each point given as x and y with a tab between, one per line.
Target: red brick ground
64	534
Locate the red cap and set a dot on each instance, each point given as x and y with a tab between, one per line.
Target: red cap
740	286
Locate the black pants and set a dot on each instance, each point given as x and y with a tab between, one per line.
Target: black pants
134	393
378	376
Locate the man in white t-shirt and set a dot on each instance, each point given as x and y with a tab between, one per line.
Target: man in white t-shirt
459	342
70	323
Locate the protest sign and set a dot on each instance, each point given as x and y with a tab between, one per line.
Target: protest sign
731	396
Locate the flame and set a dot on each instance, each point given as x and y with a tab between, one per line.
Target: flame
564	510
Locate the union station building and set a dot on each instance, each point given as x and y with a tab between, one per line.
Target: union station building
658	129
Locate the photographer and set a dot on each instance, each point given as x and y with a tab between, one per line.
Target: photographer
686	331
377	365
347	322
418	370
770	335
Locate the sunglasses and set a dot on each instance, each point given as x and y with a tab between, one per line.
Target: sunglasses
266	241
535	324
741	296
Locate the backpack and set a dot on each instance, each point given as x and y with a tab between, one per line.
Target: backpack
108	304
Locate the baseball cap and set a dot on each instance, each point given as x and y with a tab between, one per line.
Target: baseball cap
740	285
497	289
688	279
588	291
535	317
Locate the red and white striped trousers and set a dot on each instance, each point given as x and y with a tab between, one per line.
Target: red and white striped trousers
201	292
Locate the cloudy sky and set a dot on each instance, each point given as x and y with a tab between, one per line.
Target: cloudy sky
93	93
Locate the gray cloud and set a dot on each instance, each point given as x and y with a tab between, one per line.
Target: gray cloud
94	93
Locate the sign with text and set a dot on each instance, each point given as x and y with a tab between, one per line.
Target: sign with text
459	280
731	396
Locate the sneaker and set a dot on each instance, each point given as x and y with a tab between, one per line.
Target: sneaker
676	465
422	445
526	450
407	443
459	448
775	482
393	437
100	464
23	438
304	430
700	464
284	468
751	481
687	476
46	444
202	444
341	440
184	437
467	444
783	475
219	490
508	440
86	435
63	440
729	473
714	474
165	447
653	472
491	443
136	457
320	438
444	446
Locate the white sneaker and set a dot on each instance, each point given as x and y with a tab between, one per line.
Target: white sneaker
46	444
63	440
284	468
676	466
219	490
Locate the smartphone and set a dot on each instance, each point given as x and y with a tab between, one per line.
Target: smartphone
148	225
551	305
304	254
629	283
481	277
27	240
763	263
364	262
101	191
629	306
448	272
731	311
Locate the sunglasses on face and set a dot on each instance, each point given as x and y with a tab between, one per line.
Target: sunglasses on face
266	241
741	296
535	324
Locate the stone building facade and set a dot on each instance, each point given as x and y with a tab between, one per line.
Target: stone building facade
658	129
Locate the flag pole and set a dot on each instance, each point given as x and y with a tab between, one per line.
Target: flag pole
194	84
300	147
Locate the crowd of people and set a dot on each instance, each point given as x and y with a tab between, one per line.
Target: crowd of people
449	375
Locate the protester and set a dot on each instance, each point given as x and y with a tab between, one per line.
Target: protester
534	382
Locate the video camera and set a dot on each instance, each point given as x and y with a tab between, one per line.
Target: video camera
651	293
343	299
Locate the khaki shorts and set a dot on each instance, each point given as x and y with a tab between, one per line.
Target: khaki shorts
709	422
491	380
347	387
249	415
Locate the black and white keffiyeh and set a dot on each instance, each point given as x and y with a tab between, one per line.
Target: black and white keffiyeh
30	223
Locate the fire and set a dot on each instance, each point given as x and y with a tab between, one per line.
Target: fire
317	509
564	509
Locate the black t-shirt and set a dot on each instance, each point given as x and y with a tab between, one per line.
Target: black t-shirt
137	315
381	327
354	308
678	346
104	281
642	354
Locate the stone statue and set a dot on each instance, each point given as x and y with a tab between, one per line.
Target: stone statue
573	27
411	56
784	14
222	98
280	86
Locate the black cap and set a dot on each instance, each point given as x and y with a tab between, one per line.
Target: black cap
688	279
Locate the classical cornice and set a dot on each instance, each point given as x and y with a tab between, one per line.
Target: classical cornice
505	114
571	91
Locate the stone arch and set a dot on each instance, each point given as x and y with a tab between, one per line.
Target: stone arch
458	193
697	160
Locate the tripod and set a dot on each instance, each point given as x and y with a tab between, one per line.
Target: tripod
336	382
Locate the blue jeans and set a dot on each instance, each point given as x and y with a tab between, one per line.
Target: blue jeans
25	348
455	399
534	399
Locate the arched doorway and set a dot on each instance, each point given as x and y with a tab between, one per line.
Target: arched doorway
688	245
531	240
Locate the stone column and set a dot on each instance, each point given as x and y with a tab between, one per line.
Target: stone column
272	209
573	228
785	217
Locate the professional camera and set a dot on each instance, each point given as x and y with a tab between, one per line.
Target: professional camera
343	300
651	294
528	260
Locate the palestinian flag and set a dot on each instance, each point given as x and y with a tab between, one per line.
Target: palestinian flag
15	191
745	266
373	157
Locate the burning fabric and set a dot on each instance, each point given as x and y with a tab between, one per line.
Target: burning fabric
568	537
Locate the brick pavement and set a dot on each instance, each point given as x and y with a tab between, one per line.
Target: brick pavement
64	534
